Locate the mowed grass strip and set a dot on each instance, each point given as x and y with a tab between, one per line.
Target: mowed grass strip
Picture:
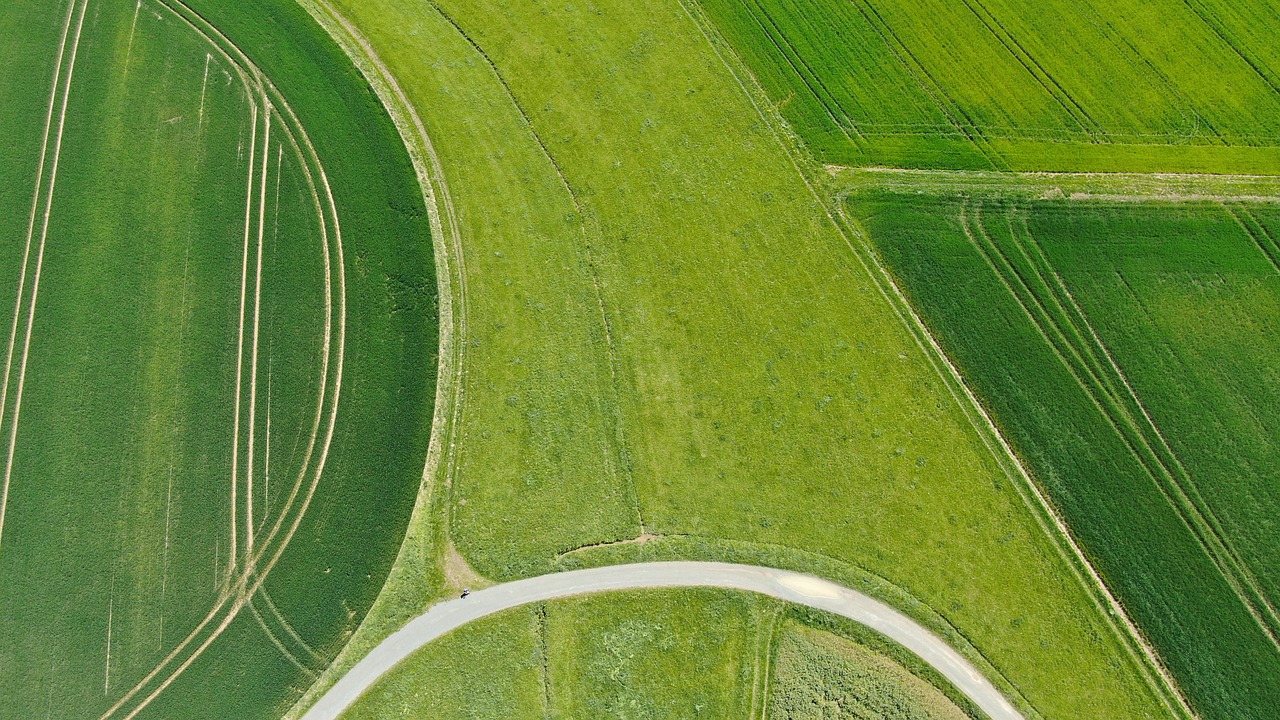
767	393
982	83
1167	294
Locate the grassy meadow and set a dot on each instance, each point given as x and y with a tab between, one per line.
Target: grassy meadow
728	363
995	84
817	675
136	503
1126	351
658	655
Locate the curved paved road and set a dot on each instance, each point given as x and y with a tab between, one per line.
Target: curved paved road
789	586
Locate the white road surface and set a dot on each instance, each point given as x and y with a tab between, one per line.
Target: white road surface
792	587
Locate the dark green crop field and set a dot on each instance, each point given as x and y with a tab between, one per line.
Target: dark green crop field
219	356
1057	85
1128	351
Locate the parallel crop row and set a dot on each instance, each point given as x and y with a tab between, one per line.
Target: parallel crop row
984	83
1071	322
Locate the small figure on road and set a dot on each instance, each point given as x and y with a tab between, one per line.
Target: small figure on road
466	592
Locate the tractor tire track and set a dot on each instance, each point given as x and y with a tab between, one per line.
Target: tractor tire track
258	564
1111	407
1032	495
44	233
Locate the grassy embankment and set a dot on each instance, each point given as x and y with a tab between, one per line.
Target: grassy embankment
994	84
746	383
119	522
1126	351
654	654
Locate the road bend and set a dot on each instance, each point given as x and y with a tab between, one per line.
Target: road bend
792	587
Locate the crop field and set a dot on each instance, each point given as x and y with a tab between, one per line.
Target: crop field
729	374
663	654
1085	86
204	350
248	428
1128	352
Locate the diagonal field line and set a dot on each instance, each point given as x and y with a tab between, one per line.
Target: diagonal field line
44	231
1119	419
1047	518
1178	473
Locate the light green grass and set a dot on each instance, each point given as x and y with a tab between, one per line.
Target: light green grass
820	676
1068	86
1121	348
118	530
656	655
489	669
765	391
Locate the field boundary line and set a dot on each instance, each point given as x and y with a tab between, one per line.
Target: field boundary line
1112	409
1185	493
450	276
1045	514
451	284
1059	186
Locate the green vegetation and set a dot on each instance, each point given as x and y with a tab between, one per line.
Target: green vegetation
1125	350
1058	85
491	668
186	485
657	655
663	655
745	382
820	676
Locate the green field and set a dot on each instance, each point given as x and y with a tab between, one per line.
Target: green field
817	675
666	333
657	655
1128	352
730	378
213	357
1086	86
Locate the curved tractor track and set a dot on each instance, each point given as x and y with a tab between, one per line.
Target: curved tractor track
249	566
